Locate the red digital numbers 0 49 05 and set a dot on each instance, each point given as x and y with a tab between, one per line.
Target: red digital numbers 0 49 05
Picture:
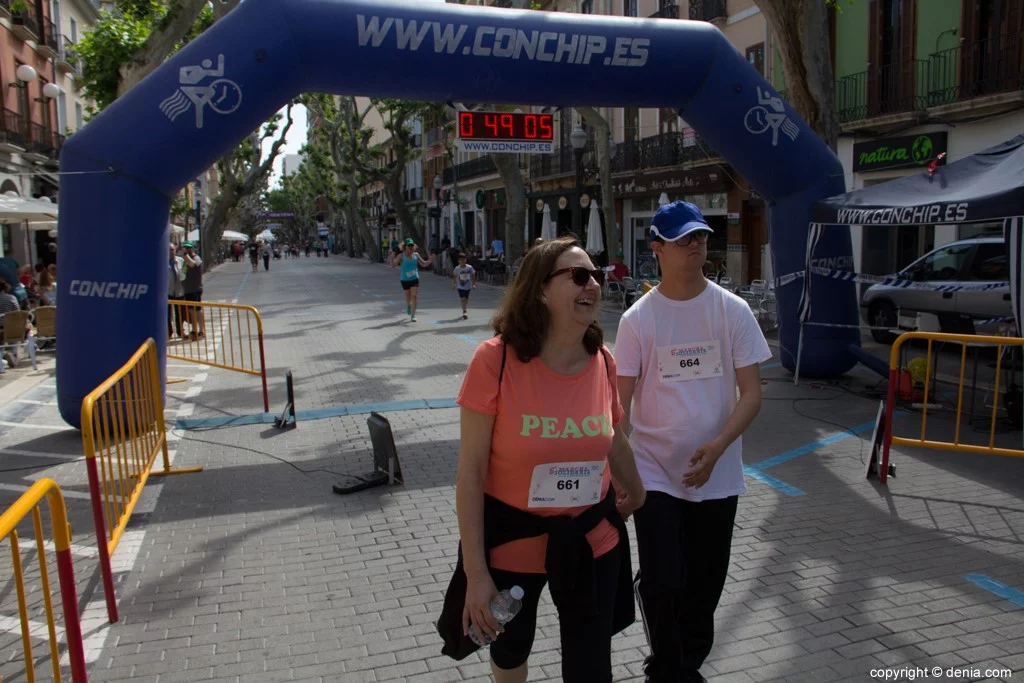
498	126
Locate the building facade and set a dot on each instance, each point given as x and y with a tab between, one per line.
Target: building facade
916	79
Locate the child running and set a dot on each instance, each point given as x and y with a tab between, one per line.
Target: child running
463	279
410	263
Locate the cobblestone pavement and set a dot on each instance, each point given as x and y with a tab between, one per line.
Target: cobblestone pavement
254	570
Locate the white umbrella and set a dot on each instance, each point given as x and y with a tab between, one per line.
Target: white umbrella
595	239
193	236
15	208
266	236
233	236
547	228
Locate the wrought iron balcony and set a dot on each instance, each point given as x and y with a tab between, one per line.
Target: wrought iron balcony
707	10
976	69
13	131
473	168
23	20
656	151
886	90
50	44
667	12
562	162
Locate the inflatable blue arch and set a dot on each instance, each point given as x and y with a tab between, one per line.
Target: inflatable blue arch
127	164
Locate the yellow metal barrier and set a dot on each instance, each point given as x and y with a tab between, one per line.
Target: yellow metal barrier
241	344
123	432
26	504
896	377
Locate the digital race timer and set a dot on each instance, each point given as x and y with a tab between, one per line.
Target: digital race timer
479	125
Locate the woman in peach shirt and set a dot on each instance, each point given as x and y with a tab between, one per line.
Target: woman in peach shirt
538	450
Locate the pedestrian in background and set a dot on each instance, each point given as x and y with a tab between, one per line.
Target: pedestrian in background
682	351
175	277
539	444
192	290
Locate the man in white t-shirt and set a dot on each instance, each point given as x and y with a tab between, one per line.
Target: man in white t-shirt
682	350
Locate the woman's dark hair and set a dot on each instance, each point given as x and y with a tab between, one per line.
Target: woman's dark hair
522	320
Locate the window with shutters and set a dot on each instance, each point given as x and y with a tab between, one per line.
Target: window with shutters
630	124
587	7
629	8
991	54
893	72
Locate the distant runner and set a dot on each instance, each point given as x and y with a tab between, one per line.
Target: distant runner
464	280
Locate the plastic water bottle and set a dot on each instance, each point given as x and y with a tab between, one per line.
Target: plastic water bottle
504	607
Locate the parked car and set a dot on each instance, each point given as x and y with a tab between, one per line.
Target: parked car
980	260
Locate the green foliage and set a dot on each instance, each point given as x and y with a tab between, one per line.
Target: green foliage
118	37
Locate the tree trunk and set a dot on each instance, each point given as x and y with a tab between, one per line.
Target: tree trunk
515	204
602	133
393	183
800	28
356	218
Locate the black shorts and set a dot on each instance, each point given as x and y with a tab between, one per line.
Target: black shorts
409	284
586	639
463	293
193	296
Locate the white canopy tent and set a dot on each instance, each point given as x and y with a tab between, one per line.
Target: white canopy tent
14	208
234	236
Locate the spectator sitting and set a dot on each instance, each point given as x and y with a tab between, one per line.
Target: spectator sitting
8	302
47	289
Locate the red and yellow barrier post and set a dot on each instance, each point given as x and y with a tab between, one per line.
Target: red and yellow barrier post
896	377
123	432
27	504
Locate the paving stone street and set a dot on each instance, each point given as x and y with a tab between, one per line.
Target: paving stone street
255	570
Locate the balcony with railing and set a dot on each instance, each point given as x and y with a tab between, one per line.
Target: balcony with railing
24	22
707	10
888	90
562	162
667	12
413	194
474	168
655	151
976	69
49	46
12	131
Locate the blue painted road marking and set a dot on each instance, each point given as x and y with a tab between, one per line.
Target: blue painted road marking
1014	595
238	294
756	471
777	484
813	446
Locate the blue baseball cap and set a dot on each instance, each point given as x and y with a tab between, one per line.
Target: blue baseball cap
676	220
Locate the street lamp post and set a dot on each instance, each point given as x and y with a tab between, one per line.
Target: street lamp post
578	139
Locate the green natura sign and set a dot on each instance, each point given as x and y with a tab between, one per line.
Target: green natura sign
909	151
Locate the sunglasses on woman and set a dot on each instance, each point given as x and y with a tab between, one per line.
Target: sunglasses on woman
580	276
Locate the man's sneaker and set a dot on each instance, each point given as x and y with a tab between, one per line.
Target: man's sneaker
465	315
412	319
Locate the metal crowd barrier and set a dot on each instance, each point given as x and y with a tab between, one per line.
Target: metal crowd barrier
123	432
899	380
29	502
240	347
